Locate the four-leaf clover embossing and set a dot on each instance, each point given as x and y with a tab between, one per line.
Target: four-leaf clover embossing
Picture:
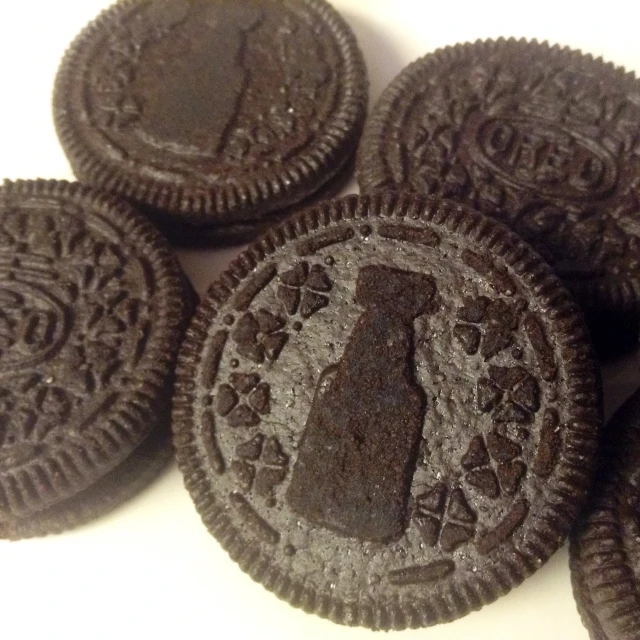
510	393
304	289
261	465
492	465
244	400
259	336
444	516
487	325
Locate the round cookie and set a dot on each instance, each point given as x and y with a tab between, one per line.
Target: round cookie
386	411
605	544
584	603
129	478
212	112
244	232
543	138
94	305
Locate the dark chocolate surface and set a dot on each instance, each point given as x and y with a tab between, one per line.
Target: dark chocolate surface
212	112
605	545
93	309
386	411
544	139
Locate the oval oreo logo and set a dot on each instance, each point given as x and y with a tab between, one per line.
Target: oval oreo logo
543	157
33	326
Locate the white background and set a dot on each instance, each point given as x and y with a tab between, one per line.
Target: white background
150	569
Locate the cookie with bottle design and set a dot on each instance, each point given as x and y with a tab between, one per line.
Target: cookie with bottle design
212	113
605	544
541	137
94	305
243	232
386	411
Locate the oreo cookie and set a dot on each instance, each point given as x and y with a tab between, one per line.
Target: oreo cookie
605	544
211	113
543	138
93	309
386	411
243	232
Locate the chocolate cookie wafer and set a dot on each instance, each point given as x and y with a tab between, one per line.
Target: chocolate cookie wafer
386	411
605	545
543	138
212	112
93	309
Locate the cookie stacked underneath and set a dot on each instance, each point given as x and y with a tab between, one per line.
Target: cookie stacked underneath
387	410
93	307
212	116
541	137
605	544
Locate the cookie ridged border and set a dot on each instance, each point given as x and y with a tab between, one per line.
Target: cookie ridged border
130	477
233	199
621	294
246	231
142	409
599	561
511	567
584	601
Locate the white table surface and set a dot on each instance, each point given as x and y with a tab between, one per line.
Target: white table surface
150	569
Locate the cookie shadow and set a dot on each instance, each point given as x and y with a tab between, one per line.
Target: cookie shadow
382	55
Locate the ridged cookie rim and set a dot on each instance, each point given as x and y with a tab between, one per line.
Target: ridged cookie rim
235	200
136	415
598	556
621	295
129	478
509	571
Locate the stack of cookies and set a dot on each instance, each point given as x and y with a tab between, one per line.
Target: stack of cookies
388	409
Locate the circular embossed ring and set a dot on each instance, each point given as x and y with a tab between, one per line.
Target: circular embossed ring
543	138
386	411
212	112
92	308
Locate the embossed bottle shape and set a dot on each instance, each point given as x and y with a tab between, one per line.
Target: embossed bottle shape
211	80
358	452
